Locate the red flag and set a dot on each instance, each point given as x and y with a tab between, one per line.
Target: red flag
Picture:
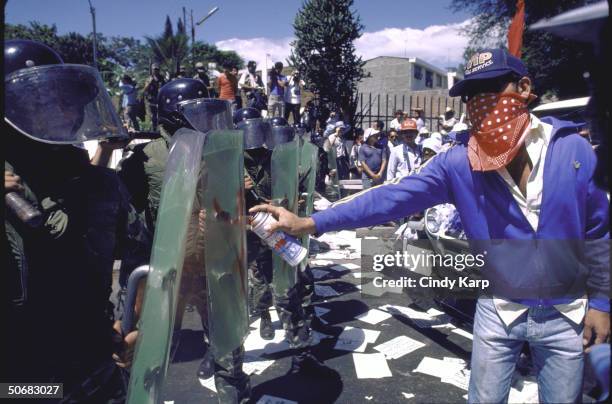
515	31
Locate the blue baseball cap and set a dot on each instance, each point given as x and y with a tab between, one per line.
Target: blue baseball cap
488	64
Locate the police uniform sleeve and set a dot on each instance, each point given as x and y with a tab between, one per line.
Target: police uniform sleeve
391	200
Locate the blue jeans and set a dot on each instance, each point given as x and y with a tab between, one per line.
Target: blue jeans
556	348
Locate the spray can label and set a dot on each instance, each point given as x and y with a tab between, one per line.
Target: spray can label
286	246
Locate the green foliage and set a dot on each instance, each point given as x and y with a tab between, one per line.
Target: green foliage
324	52
120	55
555	64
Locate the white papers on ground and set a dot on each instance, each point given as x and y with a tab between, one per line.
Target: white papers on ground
443	369
463	333
373	316
528	394
371	366
398	347
255	346
209	383
351	266
356	275
325	291
255	365
339	255
460	379
407	395
321	263
266	399
421	319
355	339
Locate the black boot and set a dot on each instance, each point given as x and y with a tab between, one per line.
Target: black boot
306	363
207	366
266	331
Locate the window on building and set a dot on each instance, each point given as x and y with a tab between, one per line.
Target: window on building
428	79
438	80
418	72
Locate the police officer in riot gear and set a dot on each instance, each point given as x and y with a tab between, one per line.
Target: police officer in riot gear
61	271
258	187
182	105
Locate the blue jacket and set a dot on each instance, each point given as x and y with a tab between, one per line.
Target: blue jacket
568	255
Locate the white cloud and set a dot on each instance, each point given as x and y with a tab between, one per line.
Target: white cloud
441	45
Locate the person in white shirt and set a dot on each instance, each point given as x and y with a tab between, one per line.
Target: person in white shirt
397	121
354	163
293	97
336	141
252	86
447	121
404	158
423	134
419	116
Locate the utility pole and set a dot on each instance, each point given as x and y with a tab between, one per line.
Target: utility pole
95	47
193	61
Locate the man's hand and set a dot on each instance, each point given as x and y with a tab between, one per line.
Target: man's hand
124	357
287	221
377	176
596	328
248	182
12	182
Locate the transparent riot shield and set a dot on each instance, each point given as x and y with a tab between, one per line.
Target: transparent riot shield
307	179
333	172
225	241
285	193
198	258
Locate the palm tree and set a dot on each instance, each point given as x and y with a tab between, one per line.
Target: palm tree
169	49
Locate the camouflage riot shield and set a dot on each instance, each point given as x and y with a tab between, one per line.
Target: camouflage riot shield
332	165
307	179
198	257
285	193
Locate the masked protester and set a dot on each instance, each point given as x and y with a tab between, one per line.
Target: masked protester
182	106
60	268
252	86
528	184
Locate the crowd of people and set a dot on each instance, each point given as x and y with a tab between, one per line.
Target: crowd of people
280	96
91	215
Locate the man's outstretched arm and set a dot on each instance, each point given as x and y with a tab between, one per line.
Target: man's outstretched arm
380	204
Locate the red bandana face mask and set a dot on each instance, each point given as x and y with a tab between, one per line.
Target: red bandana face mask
499	126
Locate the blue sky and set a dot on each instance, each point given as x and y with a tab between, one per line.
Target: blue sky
266	24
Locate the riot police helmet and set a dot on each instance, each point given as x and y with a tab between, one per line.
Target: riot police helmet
246	113
174	92
279	121
52	102
23	53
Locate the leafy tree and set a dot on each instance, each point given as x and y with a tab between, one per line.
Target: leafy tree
169	49
555	65
324	52
205	52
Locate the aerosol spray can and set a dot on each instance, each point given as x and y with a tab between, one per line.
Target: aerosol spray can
286	246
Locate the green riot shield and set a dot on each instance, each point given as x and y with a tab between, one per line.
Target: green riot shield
308	177
200	224
285	191
333	170
225	241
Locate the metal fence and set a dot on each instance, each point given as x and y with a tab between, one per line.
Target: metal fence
374	107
